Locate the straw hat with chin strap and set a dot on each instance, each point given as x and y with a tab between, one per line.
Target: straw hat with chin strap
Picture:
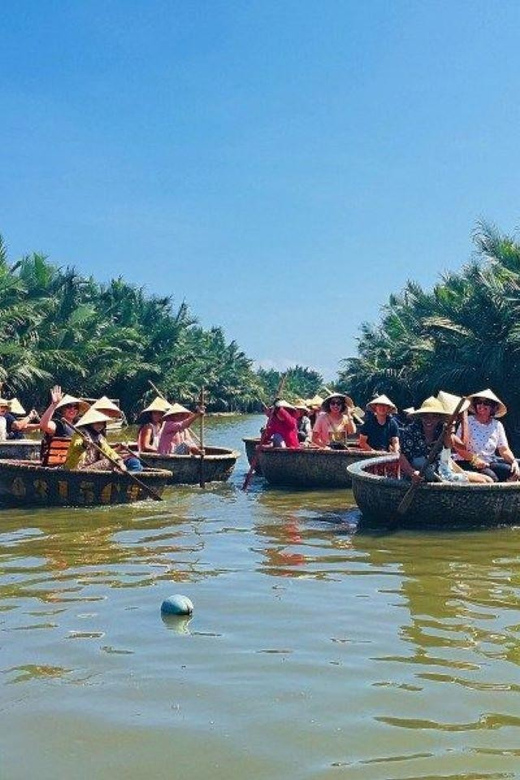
501	408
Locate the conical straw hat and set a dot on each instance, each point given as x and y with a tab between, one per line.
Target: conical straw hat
176	409
348	400
92	416
107	406
4	402
384	400
432	405
489	394
315	402
450	402
16	407
158	405
70	399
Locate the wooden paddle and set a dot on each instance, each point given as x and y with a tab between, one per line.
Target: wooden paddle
263	437
408	497
202	482
142	485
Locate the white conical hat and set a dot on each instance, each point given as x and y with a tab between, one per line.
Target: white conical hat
92	416
107	406
431	405
489	394
348	400
16	407
384	400
71	399
158	405
450	402
176	409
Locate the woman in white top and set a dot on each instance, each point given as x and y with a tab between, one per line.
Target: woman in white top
484	438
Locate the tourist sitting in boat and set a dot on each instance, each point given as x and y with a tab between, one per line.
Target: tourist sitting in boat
89	449
314	407
69	409
282	426
175	437
14	422
419	437
379	431
151	420
477	443
303	422
334	423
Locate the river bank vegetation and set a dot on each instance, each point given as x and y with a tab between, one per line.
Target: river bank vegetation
95	339
462	336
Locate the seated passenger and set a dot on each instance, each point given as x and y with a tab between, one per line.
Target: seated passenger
282	427
418	438
151	420
69	410
379	432
175	437
89	449
449	469
477	447
303	423
334	423
17	422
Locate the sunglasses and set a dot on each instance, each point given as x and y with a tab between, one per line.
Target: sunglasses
336	403
482	402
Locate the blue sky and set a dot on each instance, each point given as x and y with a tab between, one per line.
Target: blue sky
282	166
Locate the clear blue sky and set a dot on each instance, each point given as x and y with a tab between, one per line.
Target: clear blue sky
282	165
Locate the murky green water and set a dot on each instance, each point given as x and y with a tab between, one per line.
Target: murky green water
315	651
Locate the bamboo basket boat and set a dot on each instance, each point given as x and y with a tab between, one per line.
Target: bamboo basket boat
28	483
251	443
309	467
217	465
440	505
20	449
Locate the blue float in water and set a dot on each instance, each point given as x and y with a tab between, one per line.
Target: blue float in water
177	605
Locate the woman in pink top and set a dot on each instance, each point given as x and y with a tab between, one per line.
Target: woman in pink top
334	423
175	438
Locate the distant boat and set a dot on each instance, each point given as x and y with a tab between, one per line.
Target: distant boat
26	483
378	493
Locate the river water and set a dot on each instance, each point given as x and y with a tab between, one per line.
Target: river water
314	651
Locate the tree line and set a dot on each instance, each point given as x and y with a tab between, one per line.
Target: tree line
57	326
462	336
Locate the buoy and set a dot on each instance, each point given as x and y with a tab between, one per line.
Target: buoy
177	605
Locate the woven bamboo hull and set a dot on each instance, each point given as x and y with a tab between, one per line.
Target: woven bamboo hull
306	468
217	465
25	483
251	445
435	504
20	449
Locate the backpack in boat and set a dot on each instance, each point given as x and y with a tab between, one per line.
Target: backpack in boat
53	450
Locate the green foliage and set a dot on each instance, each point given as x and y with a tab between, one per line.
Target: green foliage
461	337
298	382
94	339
